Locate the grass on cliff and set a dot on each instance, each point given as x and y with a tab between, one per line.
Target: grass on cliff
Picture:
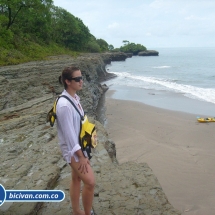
30	51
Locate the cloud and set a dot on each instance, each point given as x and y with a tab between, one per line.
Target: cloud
150	22
148	34
193	17
113	25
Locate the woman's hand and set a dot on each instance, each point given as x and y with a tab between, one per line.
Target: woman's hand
84	162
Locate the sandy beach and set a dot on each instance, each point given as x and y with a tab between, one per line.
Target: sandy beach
179	150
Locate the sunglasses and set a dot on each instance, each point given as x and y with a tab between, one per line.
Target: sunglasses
77	79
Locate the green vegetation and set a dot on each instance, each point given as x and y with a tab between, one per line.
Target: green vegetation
132	47
35	29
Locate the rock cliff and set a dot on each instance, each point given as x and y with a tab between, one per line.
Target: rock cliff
30	157
148	53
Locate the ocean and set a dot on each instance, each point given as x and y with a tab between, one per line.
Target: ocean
179	79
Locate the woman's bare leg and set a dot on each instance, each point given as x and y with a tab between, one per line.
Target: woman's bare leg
75	187
88	188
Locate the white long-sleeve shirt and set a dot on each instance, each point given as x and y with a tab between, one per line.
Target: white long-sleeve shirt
68	126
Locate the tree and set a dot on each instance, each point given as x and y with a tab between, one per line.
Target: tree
92	45
12	8
83	36
126	42
64	26
132	48
111	47
26	24
103	44
68	30
34	23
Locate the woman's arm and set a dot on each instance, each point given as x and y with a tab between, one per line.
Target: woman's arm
70	128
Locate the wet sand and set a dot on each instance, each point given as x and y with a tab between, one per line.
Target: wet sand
179	150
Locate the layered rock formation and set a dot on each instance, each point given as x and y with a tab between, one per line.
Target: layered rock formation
148	53
30	156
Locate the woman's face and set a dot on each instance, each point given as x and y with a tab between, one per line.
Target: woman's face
77	82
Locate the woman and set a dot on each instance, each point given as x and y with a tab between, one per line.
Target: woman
68	126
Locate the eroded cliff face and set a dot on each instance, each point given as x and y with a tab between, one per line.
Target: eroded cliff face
30	156
25	83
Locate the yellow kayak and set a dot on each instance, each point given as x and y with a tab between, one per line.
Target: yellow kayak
208	119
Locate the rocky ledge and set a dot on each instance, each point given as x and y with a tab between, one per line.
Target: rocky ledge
148	53
30	156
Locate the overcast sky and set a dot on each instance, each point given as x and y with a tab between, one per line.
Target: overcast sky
152	23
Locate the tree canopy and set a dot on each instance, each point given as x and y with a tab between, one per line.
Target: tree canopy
132	47
42	22
31	26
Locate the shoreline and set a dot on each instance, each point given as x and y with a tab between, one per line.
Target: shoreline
173	144
163	99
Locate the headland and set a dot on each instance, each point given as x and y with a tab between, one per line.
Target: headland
30	155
